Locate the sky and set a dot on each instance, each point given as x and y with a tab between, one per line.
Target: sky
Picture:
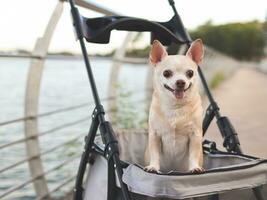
22	22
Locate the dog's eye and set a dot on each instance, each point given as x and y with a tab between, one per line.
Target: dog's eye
190	73
167	73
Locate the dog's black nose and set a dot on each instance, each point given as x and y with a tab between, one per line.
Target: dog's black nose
180	84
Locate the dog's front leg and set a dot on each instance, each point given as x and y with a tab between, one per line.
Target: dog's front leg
195	152
154	148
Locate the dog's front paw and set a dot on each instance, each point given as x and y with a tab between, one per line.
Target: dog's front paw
197	170
151	168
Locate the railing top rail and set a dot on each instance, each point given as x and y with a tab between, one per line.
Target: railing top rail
95	7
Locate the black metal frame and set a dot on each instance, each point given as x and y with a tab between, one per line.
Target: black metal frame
98	122
175	31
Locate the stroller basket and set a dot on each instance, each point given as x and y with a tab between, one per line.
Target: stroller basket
116	172
224	172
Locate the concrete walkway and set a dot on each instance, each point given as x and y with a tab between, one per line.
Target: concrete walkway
243	98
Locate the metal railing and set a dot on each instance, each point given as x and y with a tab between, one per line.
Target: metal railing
34	155
25	183
52	149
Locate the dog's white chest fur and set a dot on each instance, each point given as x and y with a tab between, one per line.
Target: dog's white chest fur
174	129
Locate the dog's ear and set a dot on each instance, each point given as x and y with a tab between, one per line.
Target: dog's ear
196	51
157	53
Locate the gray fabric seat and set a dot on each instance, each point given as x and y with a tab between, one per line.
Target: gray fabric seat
224	174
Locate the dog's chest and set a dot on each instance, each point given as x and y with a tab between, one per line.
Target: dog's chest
175	139
174	122
180	120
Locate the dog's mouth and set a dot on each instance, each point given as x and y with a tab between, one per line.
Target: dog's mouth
178	93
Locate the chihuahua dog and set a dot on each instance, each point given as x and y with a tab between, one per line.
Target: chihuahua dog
175	117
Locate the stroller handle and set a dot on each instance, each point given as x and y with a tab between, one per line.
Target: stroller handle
180	22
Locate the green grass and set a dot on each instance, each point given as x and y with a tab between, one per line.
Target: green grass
217	79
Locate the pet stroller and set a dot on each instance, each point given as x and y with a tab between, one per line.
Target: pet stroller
112	178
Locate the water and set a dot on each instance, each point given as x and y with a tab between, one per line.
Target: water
64	84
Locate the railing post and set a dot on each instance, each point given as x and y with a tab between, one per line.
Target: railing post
31	102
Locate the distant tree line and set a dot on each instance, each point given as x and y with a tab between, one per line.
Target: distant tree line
243	41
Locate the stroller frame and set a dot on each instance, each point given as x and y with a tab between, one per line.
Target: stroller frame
167	32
